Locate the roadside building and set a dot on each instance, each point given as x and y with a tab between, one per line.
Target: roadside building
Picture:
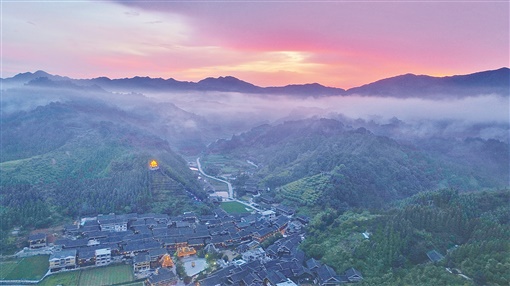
37	240
141	262
103	256
64	259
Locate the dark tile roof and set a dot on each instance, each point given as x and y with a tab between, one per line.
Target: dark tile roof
163	275
275	277
157	252
238	276
75	243
136	246
285	209
37	236
86	253
195	241
251	279
141	258
434	256
351	272
326	274
213	280
281	221
97	234
265	231
313	264
63	254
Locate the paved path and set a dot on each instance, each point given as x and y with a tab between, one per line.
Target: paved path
230	190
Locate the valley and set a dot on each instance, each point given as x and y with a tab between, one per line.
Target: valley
300	194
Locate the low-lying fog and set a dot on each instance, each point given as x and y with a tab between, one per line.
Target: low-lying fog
485	116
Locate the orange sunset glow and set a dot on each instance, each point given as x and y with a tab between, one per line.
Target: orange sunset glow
338	44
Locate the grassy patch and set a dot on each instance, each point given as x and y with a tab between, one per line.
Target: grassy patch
30	268
139	282
235	207
6	268
218	186
107	275
228	165
64	278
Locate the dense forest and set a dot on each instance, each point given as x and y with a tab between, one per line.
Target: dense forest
324	162
66	160
370	190
470	230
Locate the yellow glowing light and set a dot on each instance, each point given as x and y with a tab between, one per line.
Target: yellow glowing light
153	164
166	261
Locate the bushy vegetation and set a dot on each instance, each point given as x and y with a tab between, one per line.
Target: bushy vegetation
66	160
321	161
307	191
471	230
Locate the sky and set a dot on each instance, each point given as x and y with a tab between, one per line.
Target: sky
268	43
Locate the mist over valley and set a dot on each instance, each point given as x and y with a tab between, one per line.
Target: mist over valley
346	162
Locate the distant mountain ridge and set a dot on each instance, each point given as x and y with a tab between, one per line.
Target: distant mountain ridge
402	86
410	85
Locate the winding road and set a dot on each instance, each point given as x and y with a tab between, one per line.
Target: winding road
230	190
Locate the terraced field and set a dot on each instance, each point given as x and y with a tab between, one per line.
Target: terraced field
306	191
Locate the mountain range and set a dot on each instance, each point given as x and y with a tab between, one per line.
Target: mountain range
402	86
325	162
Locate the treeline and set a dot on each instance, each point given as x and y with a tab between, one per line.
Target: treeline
26	134
471	230
123	187
334	165
23	205
67	160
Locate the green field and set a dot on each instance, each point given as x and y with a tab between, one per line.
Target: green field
235	207
115	274
30	268
228	165
134	283
6	268
218	186
107	275
63	278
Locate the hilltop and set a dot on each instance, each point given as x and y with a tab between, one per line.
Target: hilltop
402	86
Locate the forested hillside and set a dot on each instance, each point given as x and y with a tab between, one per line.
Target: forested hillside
322	162
470	230
74	158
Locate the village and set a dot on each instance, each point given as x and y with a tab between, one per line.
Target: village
157	245
257	247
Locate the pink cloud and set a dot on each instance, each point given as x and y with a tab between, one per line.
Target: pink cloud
340	44
388	37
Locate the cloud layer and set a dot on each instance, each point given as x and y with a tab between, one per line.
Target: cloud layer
341	44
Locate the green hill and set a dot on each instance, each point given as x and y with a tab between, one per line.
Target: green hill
470	230
322	161
75	158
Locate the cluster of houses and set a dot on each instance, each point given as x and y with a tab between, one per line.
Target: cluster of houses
147	240
281	264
